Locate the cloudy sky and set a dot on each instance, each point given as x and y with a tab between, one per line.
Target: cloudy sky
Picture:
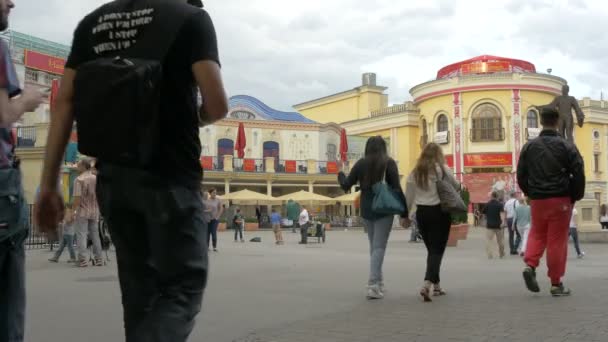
287	52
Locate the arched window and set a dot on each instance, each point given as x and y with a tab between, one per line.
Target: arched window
442	123
532	119
487	123
424	138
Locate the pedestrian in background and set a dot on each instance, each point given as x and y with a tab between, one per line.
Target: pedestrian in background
86	215
67	240
494	210
522	220
213	210
238	223
514	236
574	234
275	220
604	216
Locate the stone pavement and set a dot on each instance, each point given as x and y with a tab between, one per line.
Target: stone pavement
267	293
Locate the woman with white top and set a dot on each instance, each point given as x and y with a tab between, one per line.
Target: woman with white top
433	223
522	219
604	216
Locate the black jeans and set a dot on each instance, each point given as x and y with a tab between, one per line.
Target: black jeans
12	288
212	232
161	245
434	226
514	237
238	231
604	225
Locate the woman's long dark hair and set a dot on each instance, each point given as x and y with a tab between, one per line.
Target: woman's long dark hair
376	160
430	156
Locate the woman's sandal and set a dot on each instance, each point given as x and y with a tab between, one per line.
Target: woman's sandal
438	292
425	294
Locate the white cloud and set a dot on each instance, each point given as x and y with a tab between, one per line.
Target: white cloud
286	52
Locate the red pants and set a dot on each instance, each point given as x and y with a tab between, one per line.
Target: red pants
549	229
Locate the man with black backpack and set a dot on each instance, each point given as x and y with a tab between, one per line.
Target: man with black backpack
131	82
551	173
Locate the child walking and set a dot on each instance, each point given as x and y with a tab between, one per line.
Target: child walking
67	237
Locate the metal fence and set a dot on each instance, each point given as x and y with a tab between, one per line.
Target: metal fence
37	239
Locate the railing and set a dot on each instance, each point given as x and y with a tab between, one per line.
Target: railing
280	166
487	134
26	136
400	108
322	167
248	165
301	166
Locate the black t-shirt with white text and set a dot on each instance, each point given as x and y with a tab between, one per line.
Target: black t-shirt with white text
108	30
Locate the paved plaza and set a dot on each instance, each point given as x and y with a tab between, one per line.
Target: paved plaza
259	292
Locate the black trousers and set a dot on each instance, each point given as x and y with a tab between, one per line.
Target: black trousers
304	232
161	247
434	226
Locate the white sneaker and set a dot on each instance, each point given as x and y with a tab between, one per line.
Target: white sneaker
582	255
382	288
373	292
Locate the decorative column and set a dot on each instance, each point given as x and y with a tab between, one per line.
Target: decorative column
226	186
516	141
311	187
458	141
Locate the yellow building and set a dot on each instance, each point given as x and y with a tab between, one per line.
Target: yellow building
481	111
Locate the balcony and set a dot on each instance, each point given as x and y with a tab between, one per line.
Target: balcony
228	163
487	134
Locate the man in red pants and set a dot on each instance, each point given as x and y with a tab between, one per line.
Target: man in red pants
551	173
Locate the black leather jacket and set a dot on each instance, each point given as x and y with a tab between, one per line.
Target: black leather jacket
549	166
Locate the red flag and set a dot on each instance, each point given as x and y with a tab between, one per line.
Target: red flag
54	92
343	146
241	141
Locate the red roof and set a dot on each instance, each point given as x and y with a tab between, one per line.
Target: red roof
485	64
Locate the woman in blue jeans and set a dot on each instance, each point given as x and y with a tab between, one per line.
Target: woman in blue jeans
373	168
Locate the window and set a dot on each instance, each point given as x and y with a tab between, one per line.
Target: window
596	163
442	123
487	123
532	119
31	75
332	152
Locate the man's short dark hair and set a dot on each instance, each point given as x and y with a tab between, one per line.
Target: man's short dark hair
211	190
549	116
494	194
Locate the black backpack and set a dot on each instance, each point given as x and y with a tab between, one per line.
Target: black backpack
117	97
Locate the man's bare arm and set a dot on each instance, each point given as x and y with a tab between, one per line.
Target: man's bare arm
13	109
209	80
60	129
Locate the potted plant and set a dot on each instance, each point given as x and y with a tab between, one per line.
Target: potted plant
251	223
222	225
459	229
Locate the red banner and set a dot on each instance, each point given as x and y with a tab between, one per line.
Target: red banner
481	185
207	163
290	166
40	61
332	167
449	160
488	160
249	165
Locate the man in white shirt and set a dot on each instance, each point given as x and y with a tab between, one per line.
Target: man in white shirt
304	223
574	234
514	237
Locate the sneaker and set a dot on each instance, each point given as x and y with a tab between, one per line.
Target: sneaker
582	255
382	288
55	260
373	292
83	263
560	290
530	279
215	250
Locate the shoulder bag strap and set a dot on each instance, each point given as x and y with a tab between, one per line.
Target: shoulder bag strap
552	159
